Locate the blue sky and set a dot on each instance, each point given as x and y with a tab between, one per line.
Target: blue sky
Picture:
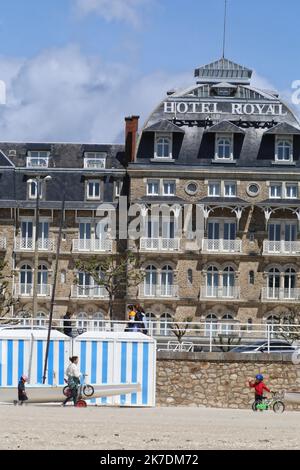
82	57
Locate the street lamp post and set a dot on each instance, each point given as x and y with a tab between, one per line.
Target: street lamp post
38	184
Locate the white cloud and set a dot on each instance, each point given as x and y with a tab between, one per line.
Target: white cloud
128	11
63	95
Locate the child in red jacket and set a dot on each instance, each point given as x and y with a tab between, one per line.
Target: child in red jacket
259	387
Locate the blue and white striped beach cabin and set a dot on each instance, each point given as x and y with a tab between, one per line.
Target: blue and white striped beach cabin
22	351
110	357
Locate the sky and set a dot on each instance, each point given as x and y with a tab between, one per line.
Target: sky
73	69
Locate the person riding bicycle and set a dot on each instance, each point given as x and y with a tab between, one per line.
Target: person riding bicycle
73	377
259	387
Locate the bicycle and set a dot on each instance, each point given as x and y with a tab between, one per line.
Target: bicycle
275	403
85	390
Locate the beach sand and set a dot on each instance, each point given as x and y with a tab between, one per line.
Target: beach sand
53	427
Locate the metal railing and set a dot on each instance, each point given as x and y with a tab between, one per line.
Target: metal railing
153	290
44	244
269	294
281	247
160	244
215	292
26	290
89	292
92	245
94	162
221	246
207	336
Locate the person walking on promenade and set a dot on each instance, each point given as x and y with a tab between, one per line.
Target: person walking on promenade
73	378
67	324
22	395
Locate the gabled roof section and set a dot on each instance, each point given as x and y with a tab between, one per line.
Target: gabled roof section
284	128
226	127
223	70
164	126
224	85
5	161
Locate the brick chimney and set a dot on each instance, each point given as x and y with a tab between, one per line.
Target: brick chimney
131	129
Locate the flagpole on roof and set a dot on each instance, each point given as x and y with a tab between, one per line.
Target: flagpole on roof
224	32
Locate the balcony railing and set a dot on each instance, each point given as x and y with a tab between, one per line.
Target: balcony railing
270	294
37	162
89	292
92	245
26	290
94	162
221	246
159	244
152	290
2	243
44	244
281	247
222	293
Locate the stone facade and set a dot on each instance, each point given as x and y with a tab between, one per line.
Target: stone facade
220	380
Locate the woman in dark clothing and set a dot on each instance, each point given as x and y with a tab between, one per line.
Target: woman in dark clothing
22	396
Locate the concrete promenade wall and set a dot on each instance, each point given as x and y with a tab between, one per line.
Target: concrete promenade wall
218	379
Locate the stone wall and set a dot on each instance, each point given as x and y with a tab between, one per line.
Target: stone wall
219	380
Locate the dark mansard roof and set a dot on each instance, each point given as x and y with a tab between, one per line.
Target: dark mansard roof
222	101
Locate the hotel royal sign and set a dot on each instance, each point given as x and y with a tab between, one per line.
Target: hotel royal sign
196	107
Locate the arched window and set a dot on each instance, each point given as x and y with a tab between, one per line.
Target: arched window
228	282
163	147
227	324
284	150
82	323
26	280
165	324
273	283
150	281
289	283
26	317
224	147
42	287
151	323
167	281
98	322
211	326
41	319
212	281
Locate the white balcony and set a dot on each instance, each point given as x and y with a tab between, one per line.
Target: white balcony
221	246
3	243
163	291
280	294
94	163
37	162
28	244
89	292
281	247
92	245
221	293
159	244
26	290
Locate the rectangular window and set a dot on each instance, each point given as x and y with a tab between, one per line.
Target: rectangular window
169	188
224	147
275	191
229	189
214	189
291	191
95	159
284	149
37	159
163	146
93	190
153	188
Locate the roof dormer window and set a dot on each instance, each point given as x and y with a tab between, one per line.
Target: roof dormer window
284	149
163	146
224	147
37	159
95	160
